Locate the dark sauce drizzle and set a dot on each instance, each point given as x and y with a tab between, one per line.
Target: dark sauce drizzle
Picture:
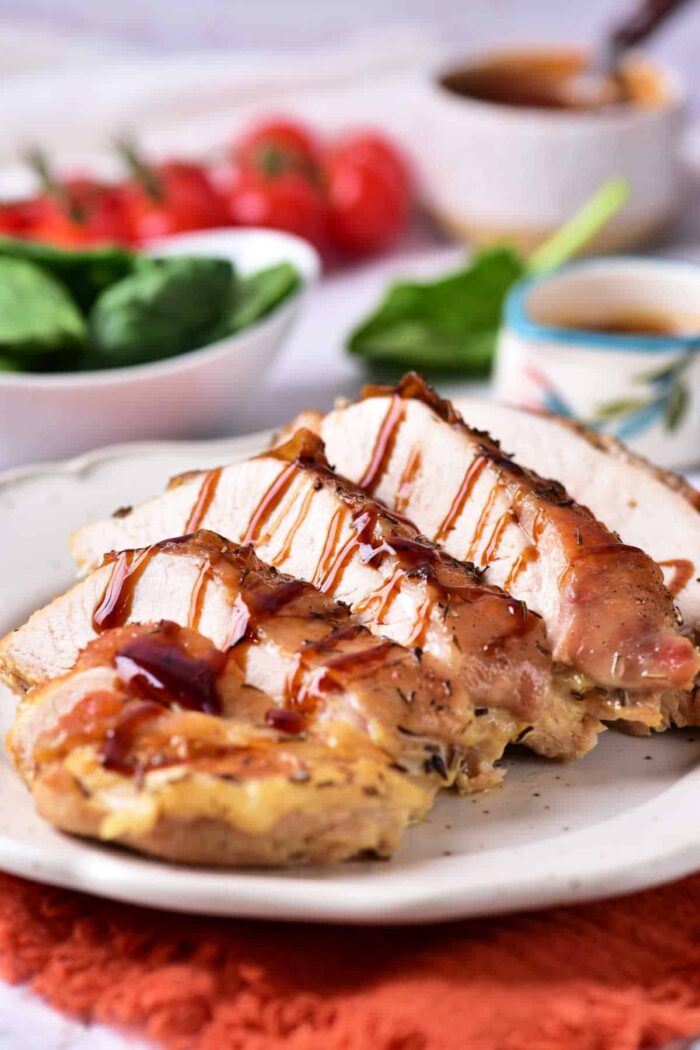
683	572
384	445
472	475
120	739
204	499
407	480
161	675
197	597
254	603
269	501
115	605
156	667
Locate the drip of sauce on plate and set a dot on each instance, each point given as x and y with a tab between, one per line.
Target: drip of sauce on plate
683	571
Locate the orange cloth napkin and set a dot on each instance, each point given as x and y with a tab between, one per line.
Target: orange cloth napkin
618	975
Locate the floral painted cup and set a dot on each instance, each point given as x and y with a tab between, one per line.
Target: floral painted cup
615	344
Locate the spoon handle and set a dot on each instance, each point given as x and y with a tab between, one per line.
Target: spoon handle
640	25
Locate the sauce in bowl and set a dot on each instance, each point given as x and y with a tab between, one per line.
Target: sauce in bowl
554	80
638	323
631	322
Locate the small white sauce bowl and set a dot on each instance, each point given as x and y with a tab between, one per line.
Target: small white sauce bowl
495	173
643	389
194	394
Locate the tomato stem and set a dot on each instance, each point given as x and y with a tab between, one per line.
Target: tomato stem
52	187
139	169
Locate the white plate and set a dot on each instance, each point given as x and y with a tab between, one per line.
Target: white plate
621	819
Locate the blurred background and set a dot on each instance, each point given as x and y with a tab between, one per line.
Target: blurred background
156	27
188	80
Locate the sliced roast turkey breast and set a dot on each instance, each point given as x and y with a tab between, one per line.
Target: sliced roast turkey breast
607	612
313	524
155	741
290	640
648	507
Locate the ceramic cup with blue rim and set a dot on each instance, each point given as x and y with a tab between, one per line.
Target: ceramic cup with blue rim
615	344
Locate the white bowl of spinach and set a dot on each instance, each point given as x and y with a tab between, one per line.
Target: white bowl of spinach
108	345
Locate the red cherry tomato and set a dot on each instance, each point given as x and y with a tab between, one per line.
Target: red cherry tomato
28	213
285	202
173	197
278	145
368	185
12	219
79	212
376	151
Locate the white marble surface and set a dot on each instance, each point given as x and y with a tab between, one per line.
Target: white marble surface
38	35
26	1023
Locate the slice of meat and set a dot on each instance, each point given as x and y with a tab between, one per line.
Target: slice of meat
649	507
309	522
155	741
290	640
607	612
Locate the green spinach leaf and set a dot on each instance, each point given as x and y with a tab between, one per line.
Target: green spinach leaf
168	306
450	324
257	295
85	273
37	315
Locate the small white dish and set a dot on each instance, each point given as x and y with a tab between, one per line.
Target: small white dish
641	388
502	173
195	394
617	821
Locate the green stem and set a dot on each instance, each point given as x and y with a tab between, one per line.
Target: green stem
581	227
39	163
138	169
